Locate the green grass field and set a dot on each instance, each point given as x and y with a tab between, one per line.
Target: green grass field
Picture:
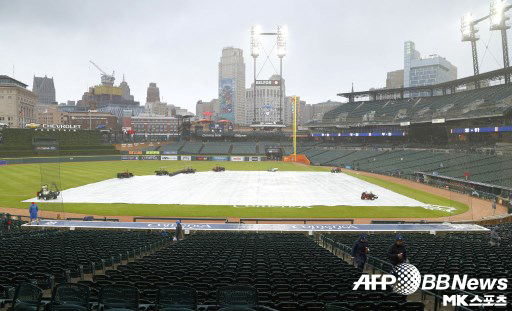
21	182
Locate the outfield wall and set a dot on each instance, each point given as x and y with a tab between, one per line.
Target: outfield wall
133	157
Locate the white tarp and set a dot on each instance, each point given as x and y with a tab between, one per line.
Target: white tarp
241	188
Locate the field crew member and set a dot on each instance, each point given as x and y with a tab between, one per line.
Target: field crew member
33	209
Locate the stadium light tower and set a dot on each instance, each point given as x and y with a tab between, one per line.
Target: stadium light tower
498	19
282	33
255	52
469	33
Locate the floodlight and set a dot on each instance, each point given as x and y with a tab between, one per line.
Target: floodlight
255	41
282	33
467	28
497	15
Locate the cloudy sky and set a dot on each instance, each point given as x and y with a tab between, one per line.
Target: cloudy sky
177	44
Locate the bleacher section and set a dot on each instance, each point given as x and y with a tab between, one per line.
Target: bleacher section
216	148
173	147
494	100
288	271
452	254
191	148
18	142
483	168
242	148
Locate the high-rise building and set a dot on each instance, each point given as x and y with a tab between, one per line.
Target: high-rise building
125	89
153	93
267	102
208	109
232	86
156	108
17	104
430	70
44	88
288	110
395	79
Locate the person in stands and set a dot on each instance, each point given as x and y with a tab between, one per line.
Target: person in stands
495	238
397	253
359	252
33	210
179	231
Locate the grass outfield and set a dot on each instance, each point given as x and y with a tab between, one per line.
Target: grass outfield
21	182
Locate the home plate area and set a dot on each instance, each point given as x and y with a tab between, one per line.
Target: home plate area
240	188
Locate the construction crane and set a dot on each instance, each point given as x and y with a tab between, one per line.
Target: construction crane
106	79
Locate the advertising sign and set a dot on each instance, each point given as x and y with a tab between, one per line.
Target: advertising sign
134	152
186	158
227	109
237	159
220	158
254	159
152	152
150	157
170	152
202	158
129	157
268	82
169	158
45	148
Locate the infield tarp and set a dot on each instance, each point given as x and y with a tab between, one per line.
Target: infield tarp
238	188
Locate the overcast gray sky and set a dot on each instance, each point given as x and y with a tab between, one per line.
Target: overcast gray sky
177	44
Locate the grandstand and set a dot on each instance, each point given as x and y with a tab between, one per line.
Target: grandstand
20	142
493	101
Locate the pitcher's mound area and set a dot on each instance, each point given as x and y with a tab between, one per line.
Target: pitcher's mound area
239	188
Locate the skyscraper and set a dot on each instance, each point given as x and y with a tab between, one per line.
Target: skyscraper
430	70
44	88
125	90
267	101
232	86
153	93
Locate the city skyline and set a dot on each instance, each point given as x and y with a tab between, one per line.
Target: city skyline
327	51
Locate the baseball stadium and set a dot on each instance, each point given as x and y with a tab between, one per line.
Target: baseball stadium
398	199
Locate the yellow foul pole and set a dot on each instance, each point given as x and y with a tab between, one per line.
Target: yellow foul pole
295	128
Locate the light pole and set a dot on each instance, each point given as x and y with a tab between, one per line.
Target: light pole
469	33
281	52
498	21
255	52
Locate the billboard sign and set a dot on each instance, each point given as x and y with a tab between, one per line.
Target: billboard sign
227	99
220	158
170	152
268	82
134	152
202	158
494	129
254	159
150	157
186	158
169	158
127	157
46	148
152	152
237	159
